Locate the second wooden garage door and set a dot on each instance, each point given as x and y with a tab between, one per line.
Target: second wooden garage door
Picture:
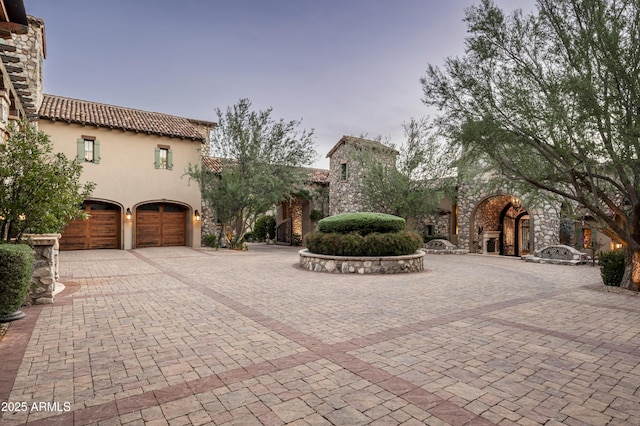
161	225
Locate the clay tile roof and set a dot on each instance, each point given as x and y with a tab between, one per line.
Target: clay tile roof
102	115
216	164
361	142
319	175
212	163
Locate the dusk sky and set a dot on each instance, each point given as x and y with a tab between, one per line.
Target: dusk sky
344	67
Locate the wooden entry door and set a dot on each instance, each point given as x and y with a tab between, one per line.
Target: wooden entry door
161	225
100	231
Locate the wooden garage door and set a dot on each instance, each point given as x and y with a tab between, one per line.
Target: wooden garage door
100	231
161	225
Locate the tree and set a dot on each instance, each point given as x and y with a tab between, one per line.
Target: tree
40	191
552	100
413	187
261	159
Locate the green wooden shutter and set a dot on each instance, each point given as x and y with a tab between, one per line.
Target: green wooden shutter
157	163
96	151
170	159
80	157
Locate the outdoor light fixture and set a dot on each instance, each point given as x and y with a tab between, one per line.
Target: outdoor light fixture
516	203
196	216
618	245
128	214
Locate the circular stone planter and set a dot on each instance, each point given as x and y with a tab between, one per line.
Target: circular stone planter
362	265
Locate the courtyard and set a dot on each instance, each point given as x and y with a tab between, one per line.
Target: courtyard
196	336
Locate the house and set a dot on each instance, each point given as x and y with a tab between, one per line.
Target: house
137	160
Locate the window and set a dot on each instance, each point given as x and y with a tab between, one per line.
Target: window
164	157
88	150
344	171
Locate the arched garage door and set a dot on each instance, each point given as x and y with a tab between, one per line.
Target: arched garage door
161	225
100	231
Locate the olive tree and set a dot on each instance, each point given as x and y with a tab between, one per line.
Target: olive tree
261	160
40	191
413	186
551	99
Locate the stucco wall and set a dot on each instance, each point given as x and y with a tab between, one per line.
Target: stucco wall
126	173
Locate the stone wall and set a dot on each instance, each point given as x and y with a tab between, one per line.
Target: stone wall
475	195
45	273
361	265
30	49
346	195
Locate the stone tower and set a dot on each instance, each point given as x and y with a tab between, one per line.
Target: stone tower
346	172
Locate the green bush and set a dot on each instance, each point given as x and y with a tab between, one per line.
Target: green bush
315	215
16	267
362	223
373	244
612	265
264	225
210	240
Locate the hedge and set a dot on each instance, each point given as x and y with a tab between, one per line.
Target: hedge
612	266
16	267
373	244
362	223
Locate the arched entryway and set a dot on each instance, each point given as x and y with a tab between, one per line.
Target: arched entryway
161	225
101	230
502	227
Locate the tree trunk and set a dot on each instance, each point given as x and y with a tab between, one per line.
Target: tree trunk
631	277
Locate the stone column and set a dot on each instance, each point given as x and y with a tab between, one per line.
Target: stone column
45	272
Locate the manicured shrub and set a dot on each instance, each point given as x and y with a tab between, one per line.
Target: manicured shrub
263	226
362	223
373	244
16	267
612	265
210	240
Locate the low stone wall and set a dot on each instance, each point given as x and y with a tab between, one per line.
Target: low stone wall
361	265
439	246
45	272
557	254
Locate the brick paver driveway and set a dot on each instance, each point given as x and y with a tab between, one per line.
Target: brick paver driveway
184	336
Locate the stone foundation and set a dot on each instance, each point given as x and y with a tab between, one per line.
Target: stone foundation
361	265
45	271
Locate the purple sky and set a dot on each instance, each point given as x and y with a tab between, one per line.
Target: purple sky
349	67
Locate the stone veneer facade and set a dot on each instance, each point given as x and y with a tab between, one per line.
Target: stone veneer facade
477	204
345	192
31	50
545	217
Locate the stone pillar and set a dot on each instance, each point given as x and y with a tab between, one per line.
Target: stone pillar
45	272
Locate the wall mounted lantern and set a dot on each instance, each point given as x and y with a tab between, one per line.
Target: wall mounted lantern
196	216
516	203
128	214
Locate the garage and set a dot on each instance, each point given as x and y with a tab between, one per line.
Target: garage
100	231
161	225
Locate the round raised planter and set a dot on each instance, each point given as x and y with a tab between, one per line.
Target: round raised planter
362	265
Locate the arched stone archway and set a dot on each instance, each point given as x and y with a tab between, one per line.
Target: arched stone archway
500	225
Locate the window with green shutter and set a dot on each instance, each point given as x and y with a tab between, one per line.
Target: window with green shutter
164	157
88	150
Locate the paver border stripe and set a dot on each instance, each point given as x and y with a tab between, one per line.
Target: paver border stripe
13	347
